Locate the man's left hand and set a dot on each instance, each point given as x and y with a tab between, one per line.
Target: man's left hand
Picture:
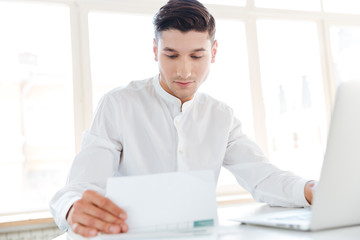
308	191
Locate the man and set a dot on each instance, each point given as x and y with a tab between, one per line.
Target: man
162	124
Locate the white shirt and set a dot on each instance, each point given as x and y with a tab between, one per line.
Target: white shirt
141	129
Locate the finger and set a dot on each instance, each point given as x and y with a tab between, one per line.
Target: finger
104	203
124	228
95	223
102	215
79	214
84	231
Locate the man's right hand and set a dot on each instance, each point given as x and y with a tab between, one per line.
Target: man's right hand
95	213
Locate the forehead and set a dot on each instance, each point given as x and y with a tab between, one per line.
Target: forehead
181	41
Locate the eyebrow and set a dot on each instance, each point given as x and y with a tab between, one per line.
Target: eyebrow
173	50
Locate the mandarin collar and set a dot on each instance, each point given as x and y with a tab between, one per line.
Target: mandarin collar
170	98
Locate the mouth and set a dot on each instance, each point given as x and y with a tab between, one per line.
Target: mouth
183	84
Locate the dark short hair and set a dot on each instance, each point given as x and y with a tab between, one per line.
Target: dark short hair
185	16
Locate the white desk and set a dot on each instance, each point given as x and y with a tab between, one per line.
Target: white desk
237	232
230	230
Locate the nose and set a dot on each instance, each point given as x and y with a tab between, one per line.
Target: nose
184	69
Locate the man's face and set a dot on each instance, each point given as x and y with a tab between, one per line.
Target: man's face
184	61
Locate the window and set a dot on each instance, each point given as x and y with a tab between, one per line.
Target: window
225	2
293	95
36	124
342	6
309	5
345	43
120	52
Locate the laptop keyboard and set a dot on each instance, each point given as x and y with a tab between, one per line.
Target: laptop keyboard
304	216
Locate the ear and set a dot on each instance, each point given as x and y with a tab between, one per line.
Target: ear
155	50
214	51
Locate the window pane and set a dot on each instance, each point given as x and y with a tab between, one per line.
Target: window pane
293	95
120	52
229	78
225	2
36	124
342	6
309	5
345	44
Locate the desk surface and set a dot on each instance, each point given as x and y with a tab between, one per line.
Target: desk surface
230	230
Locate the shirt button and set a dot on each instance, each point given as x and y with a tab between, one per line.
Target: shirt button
181	152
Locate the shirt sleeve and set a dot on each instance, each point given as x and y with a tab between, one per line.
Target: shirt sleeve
266	183
98	159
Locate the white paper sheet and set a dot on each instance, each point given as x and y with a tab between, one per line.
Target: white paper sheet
166	201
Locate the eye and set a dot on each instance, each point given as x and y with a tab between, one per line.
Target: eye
196	57
172	56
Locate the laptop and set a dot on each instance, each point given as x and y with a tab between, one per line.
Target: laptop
336	200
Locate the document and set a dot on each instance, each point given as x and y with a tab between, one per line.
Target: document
166	201
176	205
